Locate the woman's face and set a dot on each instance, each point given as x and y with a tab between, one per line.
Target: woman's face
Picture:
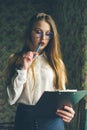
41	32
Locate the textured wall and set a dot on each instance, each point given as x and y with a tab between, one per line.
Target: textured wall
71	21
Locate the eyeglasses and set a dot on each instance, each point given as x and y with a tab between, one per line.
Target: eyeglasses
38	34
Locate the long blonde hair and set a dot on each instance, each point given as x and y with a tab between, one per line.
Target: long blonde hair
52	50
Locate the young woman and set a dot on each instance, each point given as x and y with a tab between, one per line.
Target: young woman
37	68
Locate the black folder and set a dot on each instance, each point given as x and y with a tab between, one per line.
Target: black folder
51	101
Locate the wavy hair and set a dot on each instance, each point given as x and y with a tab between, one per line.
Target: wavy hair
52	50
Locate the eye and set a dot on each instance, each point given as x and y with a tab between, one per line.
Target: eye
38	31
49	34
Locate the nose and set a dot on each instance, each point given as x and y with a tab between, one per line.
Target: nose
43	37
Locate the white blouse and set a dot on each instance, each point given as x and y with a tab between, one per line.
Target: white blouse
25	89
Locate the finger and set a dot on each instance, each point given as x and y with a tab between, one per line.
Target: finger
27	58
65	117
35	55
69	109
64	113
28	54
66	120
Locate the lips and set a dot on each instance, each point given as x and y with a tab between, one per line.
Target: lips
42	43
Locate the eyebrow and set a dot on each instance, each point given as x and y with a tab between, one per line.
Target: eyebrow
41	29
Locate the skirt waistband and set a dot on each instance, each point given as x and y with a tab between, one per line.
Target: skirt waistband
25	106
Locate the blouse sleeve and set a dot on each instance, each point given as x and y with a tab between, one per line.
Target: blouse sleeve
16	86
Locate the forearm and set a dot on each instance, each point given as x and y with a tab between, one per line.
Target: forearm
16	86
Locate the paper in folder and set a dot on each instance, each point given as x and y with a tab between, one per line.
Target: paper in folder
51	101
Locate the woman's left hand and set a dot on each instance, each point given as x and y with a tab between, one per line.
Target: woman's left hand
66	114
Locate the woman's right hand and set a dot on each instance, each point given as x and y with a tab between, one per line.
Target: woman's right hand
28	58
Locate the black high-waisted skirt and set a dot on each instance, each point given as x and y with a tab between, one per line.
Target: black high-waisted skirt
25	120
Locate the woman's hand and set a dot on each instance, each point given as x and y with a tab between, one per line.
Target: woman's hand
28	58
66	114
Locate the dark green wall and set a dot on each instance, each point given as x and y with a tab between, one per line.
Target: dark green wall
71	19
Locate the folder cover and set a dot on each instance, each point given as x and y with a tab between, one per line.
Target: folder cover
51	101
